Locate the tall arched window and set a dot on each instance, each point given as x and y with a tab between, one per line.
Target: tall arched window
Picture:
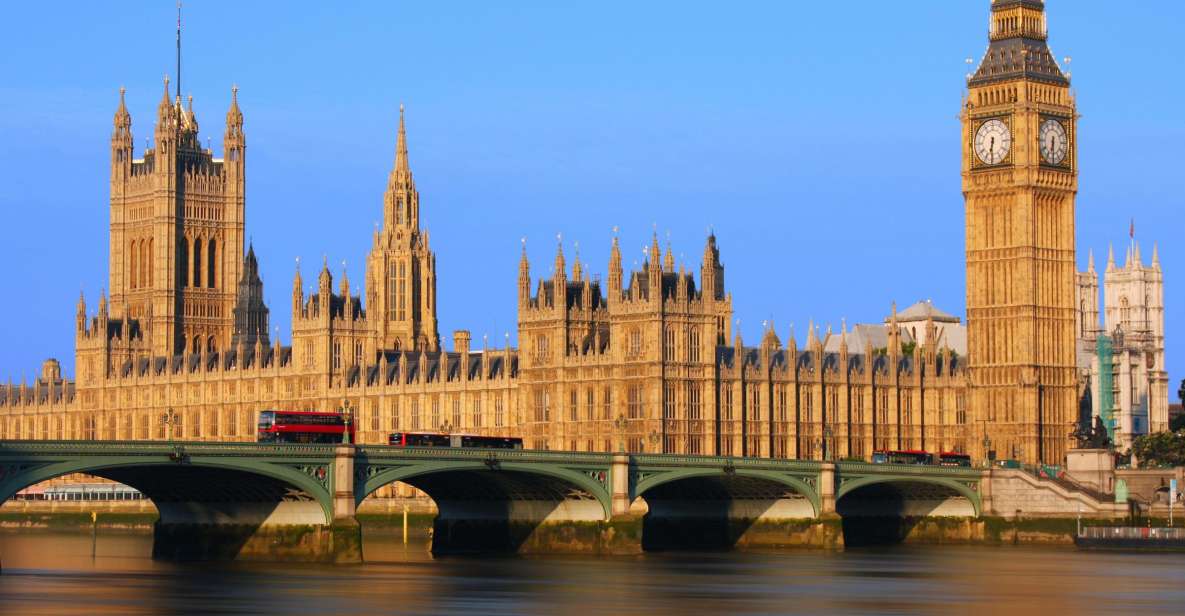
693	345
184	281
146	263
196	281
133	264
197	344
1125	312
210	347
210	269
668	344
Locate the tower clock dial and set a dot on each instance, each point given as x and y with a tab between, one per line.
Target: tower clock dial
1055	143
993	141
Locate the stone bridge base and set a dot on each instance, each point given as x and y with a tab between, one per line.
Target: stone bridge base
340	542
616	537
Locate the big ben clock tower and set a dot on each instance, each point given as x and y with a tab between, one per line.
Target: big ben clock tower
1020	177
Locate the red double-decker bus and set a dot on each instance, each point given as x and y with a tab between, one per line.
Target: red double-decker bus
954	458
913	456
433	439
302	427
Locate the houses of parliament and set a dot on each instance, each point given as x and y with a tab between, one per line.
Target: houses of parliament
646	360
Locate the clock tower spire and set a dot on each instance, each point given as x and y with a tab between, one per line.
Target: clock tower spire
1020	178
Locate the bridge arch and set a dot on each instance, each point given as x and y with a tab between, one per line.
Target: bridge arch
904	483
754	480
712	508
487	505
198	489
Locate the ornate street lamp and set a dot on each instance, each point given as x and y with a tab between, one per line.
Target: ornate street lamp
168	419
347	416
619	424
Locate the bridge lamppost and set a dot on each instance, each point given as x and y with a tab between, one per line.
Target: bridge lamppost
620	424
348	417
168	419
987	444
827	434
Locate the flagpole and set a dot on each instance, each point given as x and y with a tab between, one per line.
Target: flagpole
178	49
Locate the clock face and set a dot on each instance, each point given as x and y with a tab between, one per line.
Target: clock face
1055	143
993	141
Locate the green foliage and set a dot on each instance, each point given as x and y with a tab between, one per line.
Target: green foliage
1160	449
907	348
1181	392
1177	424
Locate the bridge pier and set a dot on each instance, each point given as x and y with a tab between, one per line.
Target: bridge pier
827	489
620	483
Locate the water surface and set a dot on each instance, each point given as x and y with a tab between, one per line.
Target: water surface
54	573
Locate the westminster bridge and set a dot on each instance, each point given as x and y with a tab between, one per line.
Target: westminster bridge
219	499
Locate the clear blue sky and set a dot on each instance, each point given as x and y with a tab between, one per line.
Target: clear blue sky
820	139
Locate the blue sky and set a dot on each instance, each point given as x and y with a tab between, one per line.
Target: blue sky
820	141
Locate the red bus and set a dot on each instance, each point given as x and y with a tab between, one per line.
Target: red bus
433	439
909	456
950	458
302	427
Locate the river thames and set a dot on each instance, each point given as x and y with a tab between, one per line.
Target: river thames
54	573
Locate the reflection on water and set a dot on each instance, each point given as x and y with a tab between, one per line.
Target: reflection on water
48	573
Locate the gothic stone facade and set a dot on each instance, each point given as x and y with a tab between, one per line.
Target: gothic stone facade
647	362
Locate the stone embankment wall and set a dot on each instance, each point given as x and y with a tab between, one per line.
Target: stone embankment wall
1015	493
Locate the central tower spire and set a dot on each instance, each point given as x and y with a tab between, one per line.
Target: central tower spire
401	268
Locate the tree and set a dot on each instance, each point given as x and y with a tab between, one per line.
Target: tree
1160	449
1178	422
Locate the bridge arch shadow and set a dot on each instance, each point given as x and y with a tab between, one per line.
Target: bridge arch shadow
888	510
232	497
701	509
484	507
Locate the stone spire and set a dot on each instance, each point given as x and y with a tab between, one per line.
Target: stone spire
233	139
297	291
524	276
712	272
80	316
560	264
402	166
1110	257
325	279
1090	261
121	140
123	119
190	125
655	253
615	272
401	201
577	272
1155	257
668	260
250	311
